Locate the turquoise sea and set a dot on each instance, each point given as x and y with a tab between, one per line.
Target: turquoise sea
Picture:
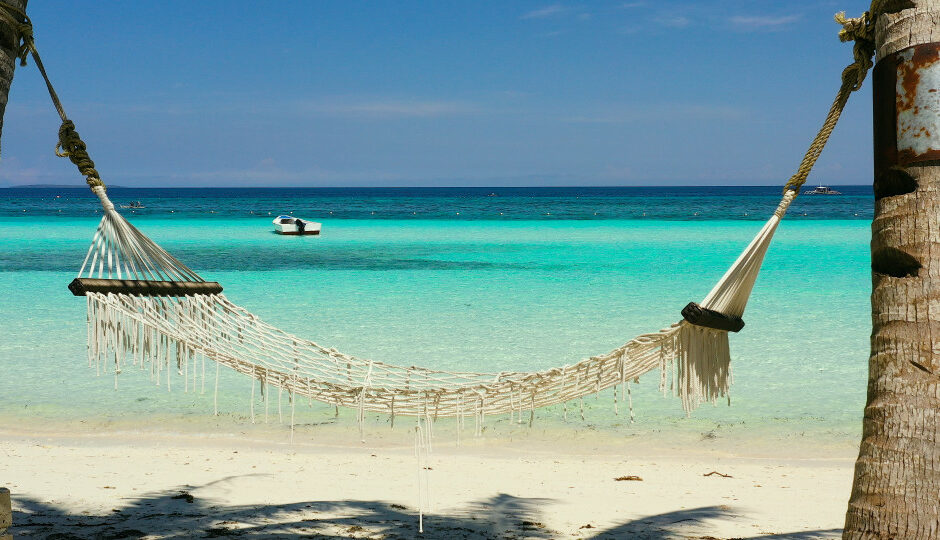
484	279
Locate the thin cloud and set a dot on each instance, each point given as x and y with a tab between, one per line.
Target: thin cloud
378	108
282	177
661	112
545	12
392	109
674	21
762	21
39	108
513	94
14	174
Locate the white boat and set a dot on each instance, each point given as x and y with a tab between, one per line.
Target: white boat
822	190
134	204
295	226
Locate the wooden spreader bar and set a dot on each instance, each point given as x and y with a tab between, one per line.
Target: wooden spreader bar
142	287
709	318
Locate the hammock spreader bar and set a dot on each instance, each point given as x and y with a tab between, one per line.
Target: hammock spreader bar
709	318
141	287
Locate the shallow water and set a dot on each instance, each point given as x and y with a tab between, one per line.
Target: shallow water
483	294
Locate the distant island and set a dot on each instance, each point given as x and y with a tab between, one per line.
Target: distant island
56	186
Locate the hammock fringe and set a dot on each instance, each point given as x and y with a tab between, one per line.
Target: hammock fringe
174	334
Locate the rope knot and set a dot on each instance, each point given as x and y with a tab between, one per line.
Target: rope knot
860	30
856	29
72	146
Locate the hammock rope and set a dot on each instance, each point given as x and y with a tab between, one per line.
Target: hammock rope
148	310
861	31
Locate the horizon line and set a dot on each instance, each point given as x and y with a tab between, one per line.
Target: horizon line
69	186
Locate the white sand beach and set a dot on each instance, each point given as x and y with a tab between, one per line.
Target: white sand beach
101	484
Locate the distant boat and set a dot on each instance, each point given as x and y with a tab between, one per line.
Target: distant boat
822	190
134	204
295	226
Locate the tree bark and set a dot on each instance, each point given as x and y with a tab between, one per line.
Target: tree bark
8	48
896	492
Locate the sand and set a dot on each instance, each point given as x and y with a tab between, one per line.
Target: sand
121	484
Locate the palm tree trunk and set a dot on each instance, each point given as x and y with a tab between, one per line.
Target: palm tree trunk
896	493
8	47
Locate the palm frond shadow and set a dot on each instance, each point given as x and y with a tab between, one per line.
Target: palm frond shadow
178	514
696	523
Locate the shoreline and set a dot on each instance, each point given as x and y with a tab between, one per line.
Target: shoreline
611	436
171	485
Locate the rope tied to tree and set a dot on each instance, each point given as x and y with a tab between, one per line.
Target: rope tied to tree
861	31
70	144
22	29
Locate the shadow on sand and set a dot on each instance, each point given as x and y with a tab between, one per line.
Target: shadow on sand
179	514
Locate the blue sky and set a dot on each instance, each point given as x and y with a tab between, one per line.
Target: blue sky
237	93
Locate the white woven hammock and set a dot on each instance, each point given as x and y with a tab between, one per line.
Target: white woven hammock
167	334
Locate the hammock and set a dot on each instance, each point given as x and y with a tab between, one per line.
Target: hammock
148	309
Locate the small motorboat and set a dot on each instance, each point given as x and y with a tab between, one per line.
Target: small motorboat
134	204
822	190
295	226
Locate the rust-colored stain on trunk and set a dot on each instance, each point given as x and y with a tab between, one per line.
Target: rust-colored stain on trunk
907	107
